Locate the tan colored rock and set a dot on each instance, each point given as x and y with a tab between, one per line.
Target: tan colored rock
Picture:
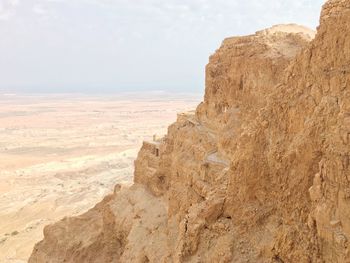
128	226
259	173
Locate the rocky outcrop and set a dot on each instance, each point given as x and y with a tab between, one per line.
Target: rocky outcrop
127	226
260	172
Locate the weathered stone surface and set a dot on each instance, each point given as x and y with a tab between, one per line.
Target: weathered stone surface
259	173
128	226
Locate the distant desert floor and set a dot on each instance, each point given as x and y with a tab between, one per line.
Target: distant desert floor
60	154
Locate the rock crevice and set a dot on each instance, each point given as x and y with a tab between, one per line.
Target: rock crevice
260	172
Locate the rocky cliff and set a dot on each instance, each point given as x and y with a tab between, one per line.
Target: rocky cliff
260	172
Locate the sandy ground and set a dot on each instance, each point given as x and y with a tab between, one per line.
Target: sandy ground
60	154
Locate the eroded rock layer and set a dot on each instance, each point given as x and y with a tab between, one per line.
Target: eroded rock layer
260	172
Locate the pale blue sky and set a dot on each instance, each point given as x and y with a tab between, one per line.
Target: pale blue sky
112	45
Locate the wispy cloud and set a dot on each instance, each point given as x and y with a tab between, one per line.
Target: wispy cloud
8	8
110	42
39	9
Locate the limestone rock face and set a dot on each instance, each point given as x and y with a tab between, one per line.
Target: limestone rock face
128	226
245	69
260	172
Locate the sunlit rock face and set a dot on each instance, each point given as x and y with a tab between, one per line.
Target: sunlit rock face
259	173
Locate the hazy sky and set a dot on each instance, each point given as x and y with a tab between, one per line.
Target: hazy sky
111	45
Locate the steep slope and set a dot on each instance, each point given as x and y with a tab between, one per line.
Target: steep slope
259	173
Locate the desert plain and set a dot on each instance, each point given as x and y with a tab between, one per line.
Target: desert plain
61	154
